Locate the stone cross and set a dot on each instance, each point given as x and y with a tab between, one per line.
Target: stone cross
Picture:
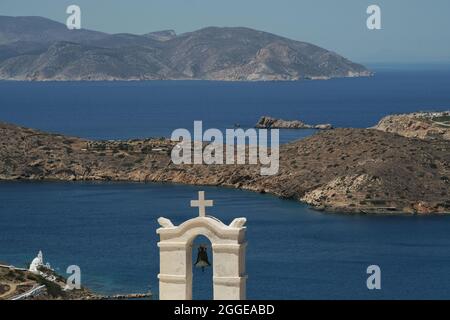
201	203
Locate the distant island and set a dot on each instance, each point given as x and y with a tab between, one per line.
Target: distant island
374	171
39	49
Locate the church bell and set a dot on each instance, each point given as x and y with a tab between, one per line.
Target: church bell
202	258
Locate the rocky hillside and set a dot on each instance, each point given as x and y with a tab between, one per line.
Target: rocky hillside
344	170
421	125
40	30
34	48
15	282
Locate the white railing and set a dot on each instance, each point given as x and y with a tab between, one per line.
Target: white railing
32	292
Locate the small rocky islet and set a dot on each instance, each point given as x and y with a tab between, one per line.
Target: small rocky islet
266	122
401	166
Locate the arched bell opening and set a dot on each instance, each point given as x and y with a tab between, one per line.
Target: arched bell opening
201	255
186	257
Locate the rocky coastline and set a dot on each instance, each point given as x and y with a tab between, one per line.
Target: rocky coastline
21	284
422	125
342	170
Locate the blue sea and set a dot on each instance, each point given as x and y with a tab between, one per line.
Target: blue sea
294	252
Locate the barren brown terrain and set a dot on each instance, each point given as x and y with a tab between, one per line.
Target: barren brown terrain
342	170
421	125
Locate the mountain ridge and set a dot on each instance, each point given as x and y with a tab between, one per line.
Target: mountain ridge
36	48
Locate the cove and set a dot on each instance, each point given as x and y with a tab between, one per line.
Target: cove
108	229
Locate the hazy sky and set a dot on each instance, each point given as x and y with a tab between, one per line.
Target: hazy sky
413	30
